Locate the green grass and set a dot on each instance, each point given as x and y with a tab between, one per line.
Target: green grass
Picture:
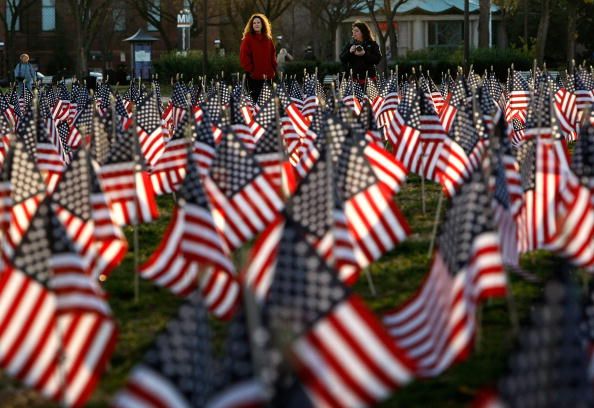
396	276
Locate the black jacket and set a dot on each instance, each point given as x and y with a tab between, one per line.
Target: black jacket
363	64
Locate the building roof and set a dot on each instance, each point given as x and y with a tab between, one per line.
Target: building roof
440	6
141	36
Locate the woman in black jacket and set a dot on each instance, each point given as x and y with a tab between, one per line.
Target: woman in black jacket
362	53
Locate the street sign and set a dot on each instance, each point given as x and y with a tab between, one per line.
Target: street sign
184	19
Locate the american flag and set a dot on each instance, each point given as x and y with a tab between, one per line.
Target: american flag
436	96
26	192
469	136
127	184
242	107
268	151
518	98
177	107
315	205
157	90
149	129
390	104
327	331
192	255
56	328
544	164
566	111
7	111
350	99
104	95
507	192
584	89
489	109
170	168
402	131
300	122
241	380
443	159
61	109
310	101
296	94
72	204
243	199
49	153
374	221
204	150
108	238
436	325
179	368
82	125
103	127
575	206
550	365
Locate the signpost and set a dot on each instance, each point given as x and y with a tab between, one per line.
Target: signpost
184	24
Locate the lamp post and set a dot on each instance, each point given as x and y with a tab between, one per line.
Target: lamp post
466	34
205	43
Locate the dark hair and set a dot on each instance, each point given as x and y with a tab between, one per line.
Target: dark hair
367	34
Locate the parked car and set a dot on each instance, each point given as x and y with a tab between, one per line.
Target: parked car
44	79
49	79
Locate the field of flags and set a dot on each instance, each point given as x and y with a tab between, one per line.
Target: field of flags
279	207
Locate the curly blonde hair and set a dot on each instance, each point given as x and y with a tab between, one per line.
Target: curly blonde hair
266	27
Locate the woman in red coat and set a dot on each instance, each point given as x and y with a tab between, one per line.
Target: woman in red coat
257	53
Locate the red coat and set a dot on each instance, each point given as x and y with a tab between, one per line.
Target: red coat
257	56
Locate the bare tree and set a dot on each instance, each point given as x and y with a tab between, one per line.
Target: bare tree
89	16
159	17
572	6
508	9
484	13
239	11
331	13
388	9
10	15
543	30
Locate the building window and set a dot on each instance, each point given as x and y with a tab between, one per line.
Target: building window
445	33
155	13
15	4
48	15
119	18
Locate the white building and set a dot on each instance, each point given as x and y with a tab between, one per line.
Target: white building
428	23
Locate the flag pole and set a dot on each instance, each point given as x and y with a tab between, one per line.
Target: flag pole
435	224
284	194
136	223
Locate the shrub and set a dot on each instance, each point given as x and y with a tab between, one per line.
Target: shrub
190	65
440	60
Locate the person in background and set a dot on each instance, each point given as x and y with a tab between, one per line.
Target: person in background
24	71
257	53
282	58
361	54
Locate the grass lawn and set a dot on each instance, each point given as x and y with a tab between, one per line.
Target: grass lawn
396	276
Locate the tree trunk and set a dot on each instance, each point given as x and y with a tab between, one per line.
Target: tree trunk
393	36
502	37
543	29
571	29
484	7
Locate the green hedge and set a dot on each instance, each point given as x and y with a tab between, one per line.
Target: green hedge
190	65
171	64
324	68
438	60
